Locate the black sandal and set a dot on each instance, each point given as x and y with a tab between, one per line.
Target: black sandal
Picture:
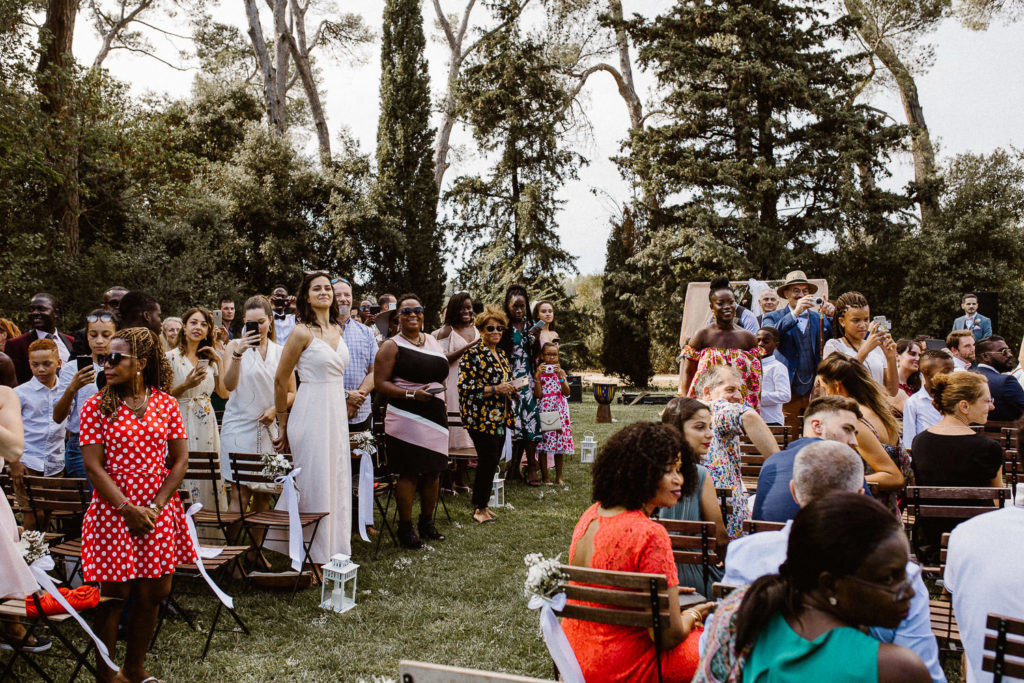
406	537
427	529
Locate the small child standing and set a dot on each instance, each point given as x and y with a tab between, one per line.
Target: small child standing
775	389
44	438
551	387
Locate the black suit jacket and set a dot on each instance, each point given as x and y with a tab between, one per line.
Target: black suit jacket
1008	395
17	349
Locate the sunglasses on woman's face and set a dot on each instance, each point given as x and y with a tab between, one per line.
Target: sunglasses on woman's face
418	310
494	328
104	317
112	359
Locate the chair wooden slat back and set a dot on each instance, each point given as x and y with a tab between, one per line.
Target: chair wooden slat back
753	526
723	495
626	598
693	543
1010	437
781	434
1011	466
247	468
203	466
1004	650
954	502
58	494
720	590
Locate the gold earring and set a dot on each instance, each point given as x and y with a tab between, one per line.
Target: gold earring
832	600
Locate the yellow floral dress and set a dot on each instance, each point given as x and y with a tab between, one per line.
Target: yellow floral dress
478	369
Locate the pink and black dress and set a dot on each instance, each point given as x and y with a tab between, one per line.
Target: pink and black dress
553	399
417	431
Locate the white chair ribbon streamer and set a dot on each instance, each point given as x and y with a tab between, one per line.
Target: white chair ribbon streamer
39	569
205	552
290	494
554	637
365	492
506	451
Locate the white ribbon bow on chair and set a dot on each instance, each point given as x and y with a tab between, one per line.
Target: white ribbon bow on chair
205	552
365	492
39	569
554	637
291	503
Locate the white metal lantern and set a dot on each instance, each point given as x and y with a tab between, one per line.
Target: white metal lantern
335	592
588	447
497	493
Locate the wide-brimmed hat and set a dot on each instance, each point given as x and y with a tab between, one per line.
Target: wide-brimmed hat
795	277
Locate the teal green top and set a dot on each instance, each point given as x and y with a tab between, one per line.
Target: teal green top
781	655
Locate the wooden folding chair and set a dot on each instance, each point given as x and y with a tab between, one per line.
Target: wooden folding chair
753	526
1006	646
13	610
62	496
693	543
620	599
421	672
246	469
940	609
724	494
951	503
720	590
205	466
751	462
1011	466
781	434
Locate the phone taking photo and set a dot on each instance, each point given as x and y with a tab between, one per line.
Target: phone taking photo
251	326
218	318
83	362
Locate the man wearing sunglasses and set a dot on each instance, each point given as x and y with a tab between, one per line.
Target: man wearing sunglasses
994	359
42	318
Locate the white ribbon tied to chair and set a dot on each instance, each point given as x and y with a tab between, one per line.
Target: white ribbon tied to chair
290	494
208	553
365	492
39	569
554	637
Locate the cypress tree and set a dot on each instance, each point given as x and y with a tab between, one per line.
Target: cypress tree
626	347
405	253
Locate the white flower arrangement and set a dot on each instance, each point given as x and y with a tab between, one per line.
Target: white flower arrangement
33	546
544	578
364	441
275	465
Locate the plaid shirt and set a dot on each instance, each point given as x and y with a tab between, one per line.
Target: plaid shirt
362	349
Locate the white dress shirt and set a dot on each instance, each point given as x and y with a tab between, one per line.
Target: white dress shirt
958	364
283	328
775	390
918	415
750	557
802	320
44	438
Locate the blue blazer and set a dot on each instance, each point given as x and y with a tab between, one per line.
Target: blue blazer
981	329
789	340
1008	394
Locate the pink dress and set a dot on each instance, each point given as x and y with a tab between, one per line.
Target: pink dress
15	579
744	362
553	399
135	452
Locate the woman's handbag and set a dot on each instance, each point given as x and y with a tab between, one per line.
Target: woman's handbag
550	421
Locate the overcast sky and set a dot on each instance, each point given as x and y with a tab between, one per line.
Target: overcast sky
972	98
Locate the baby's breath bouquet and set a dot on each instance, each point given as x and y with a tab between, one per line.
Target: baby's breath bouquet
544	578
364	441
33	546
275	465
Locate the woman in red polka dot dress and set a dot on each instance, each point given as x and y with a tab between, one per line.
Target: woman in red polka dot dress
134	531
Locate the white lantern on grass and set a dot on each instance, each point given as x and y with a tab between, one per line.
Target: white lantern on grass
497	493
335	592
588	447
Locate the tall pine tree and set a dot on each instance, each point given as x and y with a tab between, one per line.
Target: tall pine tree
406	255
626	346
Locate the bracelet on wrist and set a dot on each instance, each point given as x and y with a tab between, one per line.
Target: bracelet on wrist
120	508
235	355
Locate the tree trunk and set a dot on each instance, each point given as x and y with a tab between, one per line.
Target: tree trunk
272	100
456	58
300	53
281	36
55	64
925	171
627	88
116	28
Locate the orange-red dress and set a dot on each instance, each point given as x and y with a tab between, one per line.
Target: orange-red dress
135	452
629	542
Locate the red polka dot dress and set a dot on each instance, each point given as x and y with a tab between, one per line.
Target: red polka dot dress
135	453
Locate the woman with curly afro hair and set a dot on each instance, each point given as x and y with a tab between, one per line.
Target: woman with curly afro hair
635	473
135	452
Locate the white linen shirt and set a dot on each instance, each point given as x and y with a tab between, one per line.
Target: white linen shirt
775	389
44	438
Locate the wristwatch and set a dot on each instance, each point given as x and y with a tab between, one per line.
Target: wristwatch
410	394
156	508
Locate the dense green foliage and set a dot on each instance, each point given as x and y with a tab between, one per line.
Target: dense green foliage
626	347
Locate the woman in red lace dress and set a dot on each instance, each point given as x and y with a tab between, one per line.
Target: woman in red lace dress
134	531
636	472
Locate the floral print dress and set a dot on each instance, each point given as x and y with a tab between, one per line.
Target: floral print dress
723	460
744	362
200	422
553	399
527	425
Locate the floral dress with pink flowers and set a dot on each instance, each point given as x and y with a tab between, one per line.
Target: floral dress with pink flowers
553	399
744	362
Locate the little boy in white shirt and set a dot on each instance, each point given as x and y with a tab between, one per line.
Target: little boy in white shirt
775	387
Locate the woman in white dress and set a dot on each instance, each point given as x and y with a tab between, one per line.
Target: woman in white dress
862	339
456	335
316	428
197	374
250	365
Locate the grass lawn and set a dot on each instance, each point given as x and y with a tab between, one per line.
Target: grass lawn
459	602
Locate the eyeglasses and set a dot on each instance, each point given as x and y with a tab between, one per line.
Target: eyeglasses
494	328
112	359
364	308
1004	352
418	310
105	317
896	591
336	280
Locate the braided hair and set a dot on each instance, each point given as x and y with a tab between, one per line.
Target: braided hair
144	343
845	302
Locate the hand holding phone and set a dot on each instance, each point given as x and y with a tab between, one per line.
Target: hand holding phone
251	334
520	382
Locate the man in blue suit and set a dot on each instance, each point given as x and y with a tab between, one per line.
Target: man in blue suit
802	333
978	324
995	358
